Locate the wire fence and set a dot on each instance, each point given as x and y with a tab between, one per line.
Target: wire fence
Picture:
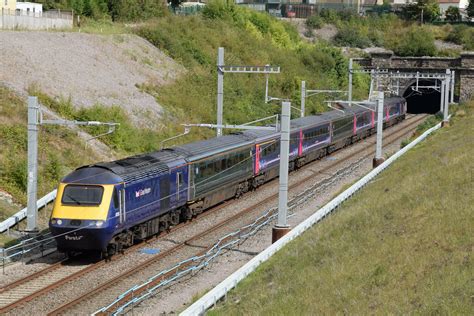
40	245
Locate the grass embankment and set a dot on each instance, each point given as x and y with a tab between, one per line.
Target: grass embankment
402	245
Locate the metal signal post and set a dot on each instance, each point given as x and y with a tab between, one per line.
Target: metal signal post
282	227
221	69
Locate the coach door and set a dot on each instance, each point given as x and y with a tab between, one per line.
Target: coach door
164	193
121	204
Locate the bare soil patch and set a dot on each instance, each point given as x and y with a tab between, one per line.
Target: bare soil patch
88	69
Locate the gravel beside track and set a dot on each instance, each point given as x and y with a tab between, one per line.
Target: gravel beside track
171	300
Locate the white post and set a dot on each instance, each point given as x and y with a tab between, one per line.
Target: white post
371	88
220	89
32	210
417	75
398	82
377	82
303	97
281	228
441	101
446	98
349	92
266	84
378	148
452	86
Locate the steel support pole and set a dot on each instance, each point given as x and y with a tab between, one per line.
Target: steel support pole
349	92
32	210
377	82
441	100
267	75
452	86
303	97
446	98
220	89
371	87
378	147
398	83
282	227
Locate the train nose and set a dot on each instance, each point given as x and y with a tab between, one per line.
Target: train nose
73	234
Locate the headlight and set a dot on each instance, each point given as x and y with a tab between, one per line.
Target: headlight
99	223
60	222
53	221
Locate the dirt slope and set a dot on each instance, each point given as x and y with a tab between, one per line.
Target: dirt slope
89	69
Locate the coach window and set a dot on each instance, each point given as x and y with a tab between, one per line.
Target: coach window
393	110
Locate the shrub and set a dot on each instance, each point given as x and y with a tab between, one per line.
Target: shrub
452	14
314	22
416	42
353	37
219	9
462	35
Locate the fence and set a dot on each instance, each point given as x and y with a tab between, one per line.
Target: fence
21	19
298	10
211	298
21	215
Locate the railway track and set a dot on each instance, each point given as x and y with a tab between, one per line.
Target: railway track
29	288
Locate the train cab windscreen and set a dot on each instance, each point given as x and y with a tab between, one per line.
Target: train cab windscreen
82	195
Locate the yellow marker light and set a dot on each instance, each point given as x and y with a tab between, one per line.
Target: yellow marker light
53	221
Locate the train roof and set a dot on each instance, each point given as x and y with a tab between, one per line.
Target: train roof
309	121
92	175
143	166
208	147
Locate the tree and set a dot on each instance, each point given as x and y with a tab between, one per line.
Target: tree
423	10
452	14
470	9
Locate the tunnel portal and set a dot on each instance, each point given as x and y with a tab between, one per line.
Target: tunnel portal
427	100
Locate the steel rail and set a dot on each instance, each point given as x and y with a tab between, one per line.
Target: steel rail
65	307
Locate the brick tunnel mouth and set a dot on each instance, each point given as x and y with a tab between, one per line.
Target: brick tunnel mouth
425	101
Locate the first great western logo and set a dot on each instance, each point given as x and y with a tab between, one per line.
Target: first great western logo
142	192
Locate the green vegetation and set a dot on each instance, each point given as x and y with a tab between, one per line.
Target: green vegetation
429	8
249	38
126	10
127	139
417	41
453	14
462	35
378	30
403	245
314	22
470	8
404	37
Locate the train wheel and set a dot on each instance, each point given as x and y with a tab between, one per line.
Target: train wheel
186	214
174	217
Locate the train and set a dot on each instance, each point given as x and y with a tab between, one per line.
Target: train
109	206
